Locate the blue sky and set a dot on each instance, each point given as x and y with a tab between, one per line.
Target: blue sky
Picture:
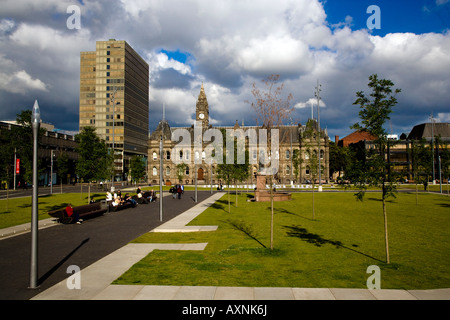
228	46
396	16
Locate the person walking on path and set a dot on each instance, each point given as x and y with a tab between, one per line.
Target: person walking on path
179	190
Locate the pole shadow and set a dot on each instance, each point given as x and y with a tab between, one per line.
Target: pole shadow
60	263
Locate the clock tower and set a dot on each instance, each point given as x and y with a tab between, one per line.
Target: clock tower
202	109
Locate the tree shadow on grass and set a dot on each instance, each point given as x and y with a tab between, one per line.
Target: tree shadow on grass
220	205
282	210
318	240
247	229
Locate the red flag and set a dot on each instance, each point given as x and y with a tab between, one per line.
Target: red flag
18	166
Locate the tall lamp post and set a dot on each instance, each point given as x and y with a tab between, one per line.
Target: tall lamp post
35	122
318	89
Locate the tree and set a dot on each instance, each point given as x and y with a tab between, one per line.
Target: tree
375	110
271	110
94	160
137	167
181	169
6	161
22	141
339	159
421	165
296	163
235	171
63	166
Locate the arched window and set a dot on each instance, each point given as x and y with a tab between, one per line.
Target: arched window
155	156
187	170
307	155
321	154
288	154
167	171
155	171
181	155
307	171
288	170
168	155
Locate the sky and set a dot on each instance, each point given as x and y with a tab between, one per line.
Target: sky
228	46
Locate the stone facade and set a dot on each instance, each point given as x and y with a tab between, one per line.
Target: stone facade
295	144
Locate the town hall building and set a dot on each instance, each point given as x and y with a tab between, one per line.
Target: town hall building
298	145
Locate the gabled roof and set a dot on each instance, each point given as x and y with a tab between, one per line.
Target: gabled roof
427	130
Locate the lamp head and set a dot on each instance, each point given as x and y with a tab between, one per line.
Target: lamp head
36	115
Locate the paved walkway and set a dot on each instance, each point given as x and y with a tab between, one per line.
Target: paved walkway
96	279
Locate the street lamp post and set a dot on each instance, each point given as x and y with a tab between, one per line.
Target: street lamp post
161	176
318	89
51	172
35	122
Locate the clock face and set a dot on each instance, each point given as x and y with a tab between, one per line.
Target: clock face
201	115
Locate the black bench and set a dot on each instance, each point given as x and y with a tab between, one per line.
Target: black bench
125	205
84	212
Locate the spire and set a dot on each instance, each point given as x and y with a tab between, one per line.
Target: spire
202	94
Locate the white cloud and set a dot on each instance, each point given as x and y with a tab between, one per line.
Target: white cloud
20	82
310	103
443	117
233	44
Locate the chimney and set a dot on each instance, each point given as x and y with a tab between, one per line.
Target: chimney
336	139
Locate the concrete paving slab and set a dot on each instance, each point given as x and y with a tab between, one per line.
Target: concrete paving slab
97	277
388	294
436	294
352	294
313	294
179	223
234	293
195	293
119	292
157	293
274	294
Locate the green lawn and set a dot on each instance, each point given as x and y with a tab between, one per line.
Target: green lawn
332	251
18	211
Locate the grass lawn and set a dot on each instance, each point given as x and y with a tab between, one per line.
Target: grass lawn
18	211
332	251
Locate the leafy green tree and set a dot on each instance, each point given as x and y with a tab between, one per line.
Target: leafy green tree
375	110
229	172
6	161
94	160
22	141
181	170
339	159
63	166
421	164
137	166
